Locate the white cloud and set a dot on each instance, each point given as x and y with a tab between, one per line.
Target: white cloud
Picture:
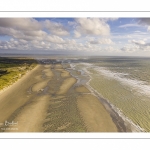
38	33
106	41
139	42
26	35
54	39
129	25
9	32
22	41
138	46
29	29
55	28
148	28
77	34
130	48
26	24
92	26
32	34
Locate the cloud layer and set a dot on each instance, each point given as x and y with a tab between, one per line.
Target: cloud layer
95	35
28	33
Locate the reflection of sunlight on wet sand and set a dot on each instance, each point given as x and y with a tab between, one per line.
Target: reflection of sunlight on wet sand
66	85
30	120
40	85
95	116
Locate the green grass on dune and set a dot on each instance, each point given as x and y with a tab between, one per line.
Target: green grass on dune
11	69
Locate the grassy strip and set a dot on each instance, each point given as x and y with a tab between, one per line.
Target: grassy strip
11	69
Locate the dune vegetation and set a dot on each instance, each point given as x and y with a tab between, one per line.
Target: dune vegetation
11	69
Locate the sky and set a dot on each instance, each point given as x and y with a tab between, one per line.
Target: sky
81	36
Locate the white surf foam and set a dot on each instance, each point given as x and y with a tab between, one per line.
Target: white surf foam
134	127
140	86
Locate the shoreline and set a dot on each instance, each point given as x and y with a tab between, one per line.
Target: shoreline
127	121
110	108
94	107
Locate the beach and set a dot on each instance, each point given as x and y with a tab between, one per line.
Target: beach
50	99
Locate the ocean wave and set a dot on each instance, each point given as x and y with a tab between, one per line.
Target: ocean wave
140	86
85	66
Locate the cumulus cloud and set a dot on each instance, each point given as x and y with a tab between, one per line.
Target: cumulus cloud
21	41
8	31
38	33
130	48
28	24
92	26
53	43
55	28
106	41
136	46
54	39
28	28
23	45
28	33
77	34
139	42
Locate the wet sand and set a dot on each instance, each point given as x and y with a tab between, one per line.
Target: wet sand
67	84
95	116
47	99
30	119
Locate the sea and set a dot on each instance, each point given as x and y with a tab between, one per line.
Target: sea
124	82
